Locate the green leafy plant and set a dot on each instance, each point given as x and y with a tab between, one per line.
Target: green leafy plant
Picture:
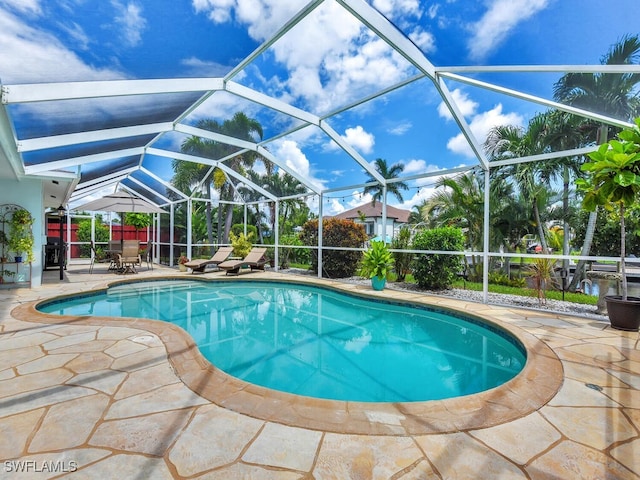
336	232
614	181
541	271
376	261
20	234
241	244
402	260
438	271
182	260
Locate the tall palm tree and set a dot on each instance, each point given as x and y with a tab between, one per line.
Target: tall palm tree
612	94
239	126
387	173
508	141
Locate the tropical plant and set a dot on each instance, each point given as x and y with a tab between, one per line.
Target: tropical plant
387	173
402	259
20	235
137	220
504	142
614	181
188	173
541	271
376	261
613	94
182	259
437	271
335	233
241	243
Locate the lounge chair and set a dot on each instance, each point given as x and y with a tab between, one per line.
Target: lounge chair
255	260
220	256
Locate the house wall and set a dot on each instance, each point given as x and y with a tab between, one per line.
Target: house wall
28	194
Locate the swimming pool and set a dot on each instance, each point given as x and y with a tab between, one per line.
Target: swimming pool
317	342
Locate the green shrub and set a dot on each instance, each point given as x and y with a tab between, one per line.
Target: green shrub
84	235
238	228
241	244
336	233
401	260
293	255
500	278
438	271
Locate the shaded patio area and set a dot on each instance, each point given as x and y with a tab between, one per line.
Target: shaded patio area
111	399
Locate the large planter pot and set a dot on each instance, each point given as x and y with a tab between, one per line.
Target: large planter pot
378	283
182	267
624	314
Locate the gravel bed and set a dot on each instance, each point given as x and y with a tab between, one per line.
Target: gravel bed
555	306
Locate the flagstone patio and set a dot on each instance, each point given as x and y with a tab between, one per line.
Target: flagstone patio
99	398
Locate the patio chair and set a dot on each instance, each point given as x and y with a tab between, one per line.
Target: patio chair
95	258
220	256
130	257
255	260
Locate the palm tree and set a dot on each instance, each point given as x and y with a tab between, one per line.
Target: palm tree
459	201
505	142
239	126
612	94
388	174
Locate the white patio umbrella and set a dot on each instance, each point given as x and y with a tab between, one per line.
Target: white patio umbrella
120	202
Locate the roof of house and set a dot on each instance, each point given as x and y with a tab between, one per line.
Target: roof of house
400	215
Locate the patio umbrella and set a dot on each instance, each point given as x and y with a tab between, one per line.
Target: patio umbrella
121	202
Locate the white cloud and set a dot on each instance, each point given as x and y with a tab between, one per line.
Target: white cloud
290	154
480	126
30	55
423	39
31	7
498	22
401	128
397	8
466	106
414	166
330	56
359	139
205	69
129	18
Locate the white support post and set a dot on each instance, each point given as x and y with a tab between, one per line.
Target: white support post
384	213
321	200
171	234
189	220
485	248
277	236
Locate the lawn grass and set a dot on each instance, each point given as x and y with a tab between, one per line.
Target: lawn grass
523	292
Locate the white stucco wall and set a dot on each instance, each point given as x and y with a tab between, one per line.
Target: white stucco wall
28	194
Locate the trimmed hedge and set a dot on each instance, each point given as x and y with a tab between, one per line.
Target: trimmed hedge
335	233
438	271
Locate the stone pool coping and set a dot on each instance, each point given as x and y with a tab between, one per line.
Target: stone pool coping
536	384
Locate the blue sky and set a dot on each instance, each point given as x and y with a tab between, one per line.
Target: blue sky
327	61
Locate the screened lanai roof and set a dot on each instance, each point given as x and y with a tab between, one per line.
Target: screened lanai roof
334	84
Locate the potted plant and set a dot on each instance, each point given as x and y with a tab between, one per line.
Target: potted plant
375	264
4	242
181	263
20	235
614	182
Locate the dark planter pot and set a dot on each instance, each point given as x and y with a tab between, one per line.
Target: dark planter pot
378	283
624	314
18	259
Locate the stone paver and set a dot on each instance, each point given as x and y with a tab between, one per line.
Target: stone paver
97	399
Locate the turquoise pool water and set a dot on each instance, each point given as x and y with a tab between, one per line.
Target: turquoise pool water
317	342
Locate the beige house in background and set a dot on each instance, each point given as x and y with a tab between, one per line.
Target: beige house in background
371	217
